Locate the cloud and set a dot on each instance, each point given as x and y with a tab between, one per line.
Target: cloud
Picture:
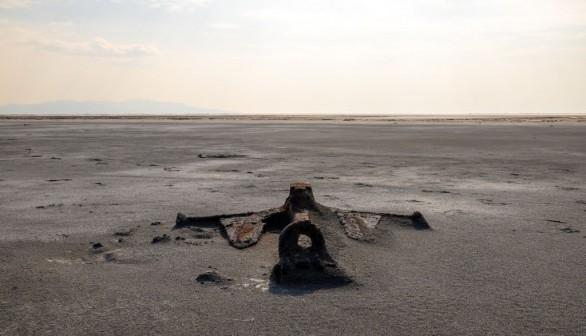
171	5
97	47
16	3
177	5
224	26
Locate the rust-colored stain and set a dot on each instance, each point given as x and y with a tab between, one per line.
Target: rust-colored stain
245	230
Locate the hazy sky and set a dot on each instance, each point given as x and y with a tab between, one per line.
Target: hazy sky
404	56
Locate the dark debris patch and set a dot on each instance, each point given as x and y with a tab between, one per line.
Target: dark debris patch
220	156
49	206
568	188
489	201
555	221
436	191
161	239
214	278
360	184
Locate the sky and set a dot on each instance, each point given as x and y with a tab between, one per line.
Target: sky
300	57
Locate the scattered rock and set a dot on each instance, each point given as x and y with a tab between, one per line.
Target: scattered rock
156	223
97	248
161	239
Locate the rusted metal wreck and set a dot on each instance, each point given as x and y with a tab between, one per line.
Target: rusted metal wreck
302	222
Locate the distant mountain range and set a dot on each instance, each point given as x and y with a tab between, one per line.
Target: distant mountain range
130	107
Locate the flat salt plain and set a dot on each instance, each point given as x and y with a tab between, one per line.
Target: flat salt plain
506	200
